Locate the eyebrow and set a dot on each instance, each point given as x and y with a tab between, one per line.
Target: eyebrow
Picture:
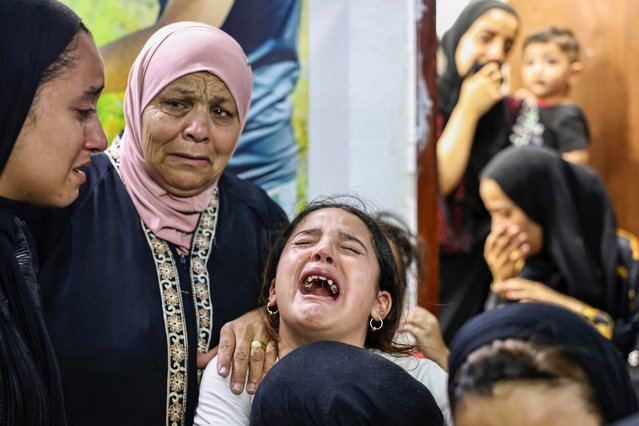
92	92
349	237
345	236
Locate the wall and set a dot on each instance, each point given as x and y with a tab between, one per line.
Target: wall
361	127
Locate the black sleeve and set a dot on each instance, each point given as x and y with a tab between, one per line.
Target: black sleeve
570	128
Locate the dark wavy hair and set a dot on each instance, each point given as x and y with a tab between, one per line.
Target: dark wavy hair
518	361
390	279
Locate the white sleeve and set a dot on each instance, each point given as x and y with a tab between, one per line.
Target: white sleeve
217	405
430	375
436	380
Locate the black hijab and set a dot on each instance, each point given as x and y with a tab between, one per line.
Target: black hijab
571	205
33	34
331	383
550	325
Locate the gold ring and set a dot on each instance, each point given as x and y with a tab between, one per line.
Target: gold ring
258	344
514	255
519	265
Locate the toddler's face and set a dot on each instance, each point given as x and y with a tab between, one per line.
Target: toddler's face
546	70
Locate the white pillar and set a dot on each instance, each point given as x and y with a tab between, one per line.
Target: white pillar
362	102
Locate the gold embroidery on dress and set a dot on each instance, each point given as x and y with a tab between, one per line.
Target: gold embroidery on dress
169	285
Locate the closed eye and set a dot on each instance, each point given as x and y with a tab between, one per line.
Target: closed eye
352	249
85	113
302	242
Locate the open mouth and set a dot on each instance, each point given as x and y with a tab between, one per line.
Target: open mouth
319	285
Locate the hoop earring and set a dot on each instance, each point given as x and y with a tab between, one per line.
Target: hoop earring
271	313
381	324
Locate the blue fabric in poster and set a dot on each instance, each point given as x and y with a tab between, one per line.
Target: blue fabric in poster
268	33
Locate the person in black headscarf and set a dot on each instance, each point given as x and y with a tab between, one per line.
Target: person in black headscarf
476	125
553	236
536	364
51	76
331	383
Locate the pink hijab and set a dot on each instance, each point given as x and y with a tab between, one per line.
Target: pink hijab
172	52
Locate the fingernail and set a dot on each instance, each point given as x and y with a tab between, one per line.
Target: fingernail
237	387
223	371
250	388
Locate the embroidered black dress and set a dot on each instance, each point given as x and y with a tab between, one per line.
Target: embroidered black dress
127	315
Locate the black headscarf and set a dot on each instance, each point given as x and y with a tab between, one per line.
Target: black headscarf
493	129
550	325
330	383
33	34
571	205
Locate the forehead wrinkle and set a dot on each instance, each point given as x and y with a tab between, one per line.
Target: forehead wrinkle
203	84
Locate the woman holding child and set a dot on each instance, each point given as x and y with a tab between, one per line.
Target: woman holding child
476	126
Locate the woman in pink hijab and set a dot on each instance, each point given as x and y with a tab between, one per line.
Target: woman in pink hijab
164	247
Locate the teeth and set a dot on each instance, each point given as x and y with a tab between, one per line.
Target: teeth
308	283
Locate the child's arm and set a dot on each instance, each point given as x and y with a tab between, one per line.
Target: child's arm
217	405
577	156
573	135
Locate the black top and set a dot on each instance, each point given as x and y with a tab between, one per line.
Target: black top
30	390
565	127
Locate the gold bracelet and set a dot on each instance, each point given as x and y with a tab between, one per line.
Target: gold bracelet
599	319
